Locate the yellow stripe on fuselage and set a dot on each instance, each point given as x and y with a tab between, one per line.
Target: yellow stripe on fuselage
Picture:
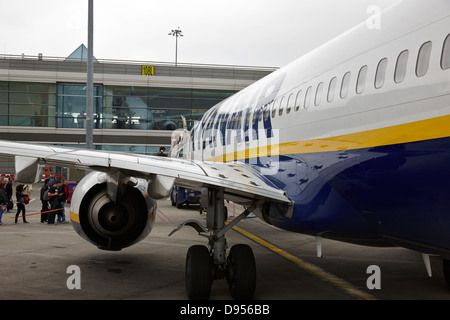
434	128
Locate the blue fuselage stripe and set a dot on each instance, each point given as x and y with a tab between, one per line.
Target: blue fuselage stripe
383	195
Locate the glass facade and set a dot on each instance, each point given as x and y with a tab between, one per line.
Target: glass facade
115	107
149	108
71	106
27	104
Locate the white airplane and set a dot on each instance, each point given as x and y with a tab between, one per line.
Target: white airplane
350	142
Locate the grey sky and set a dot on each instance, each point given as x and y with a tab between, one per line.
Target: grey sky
236	32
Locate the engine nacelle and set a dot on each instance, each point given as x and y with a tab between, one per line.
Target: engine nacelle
107	224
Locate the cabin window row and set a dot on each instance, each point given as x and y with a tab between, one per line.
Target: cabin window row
305	98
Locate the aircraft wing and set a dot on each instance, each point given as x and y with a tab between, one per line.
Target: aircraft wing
240	183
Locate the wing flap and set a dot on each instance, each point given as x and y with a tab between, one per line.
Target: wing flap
236	179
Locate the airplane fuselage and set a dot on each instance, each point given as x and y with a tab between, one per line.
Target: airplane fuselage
357	133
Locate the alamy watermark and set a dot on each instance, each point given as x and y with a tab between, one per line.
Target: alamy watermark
259	147
374	280
74	280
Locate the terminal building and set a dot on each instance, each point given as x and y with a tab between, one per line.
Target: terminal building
137	105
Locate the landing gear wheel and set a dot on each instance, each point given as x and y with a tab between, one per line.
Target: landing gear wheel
198	273
241	272
446	270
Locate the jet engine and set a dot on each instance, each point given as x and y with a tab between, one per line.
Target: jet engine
112	222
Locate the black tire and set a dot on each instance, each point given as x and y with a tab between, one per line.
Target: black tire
446	271
241	272
198	273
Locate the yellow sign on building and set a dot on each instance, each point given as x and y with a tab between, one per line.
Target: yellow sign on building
148	70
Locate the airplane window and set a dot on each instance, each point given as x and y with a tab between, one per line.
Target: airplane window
247	117
308	98
423	59
361	83
298	100
282	103
319	90
381	73
239	124
345	84
445	59
400	68
290	103
331	89
211	119
274	109
230	122
255	112
267	111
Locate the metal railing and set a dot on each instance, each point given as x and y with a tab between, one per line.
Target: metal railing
108	66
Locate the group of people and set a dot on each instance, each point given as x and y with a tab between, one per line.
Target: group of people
53	197
6	204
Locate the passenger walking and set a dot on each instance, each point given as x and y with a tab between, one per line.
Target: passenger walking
3	201
20	198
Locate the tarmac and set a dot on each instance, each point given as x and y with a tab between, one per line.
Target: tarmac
43	262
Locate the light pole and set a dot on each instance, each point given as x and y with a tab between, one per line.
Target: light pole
177	33
90	78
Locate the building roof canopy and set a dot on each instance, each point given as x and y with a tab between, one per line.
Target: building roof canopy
80	55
